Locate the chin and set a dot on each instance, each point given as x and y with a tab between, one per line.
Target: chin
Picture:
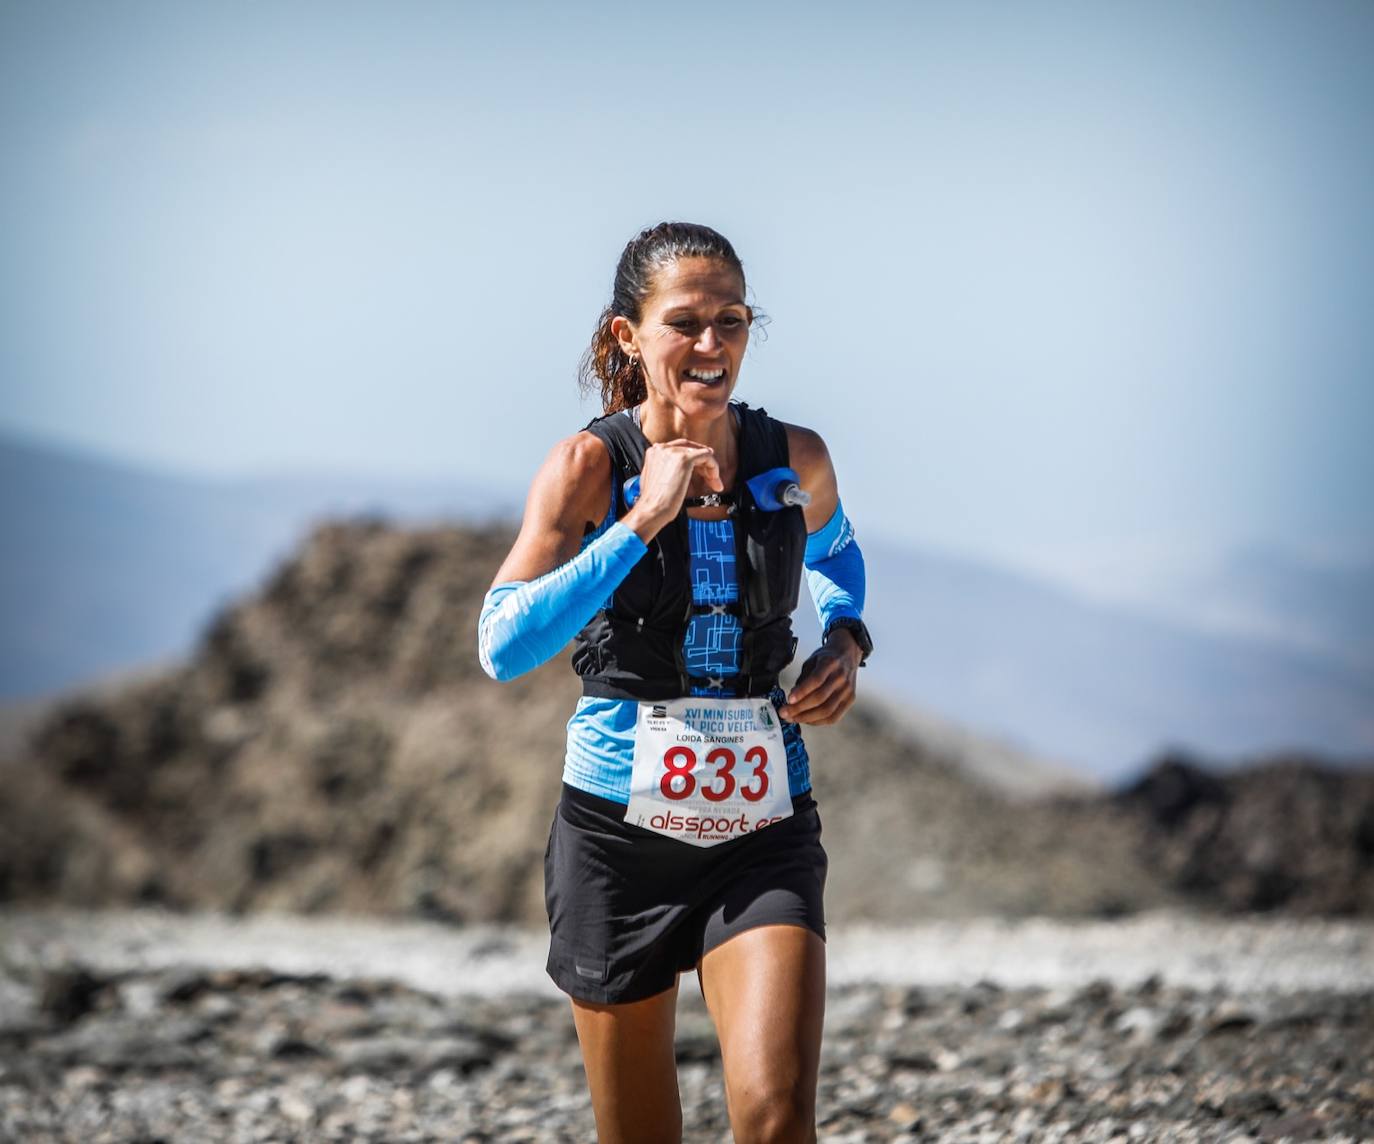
706	405
715	395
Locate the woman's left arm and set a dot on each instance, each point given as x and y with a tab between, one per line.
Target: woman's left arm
825	689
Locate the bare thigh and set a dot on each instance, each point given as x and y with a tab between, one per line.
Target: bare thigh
765	989
627	1051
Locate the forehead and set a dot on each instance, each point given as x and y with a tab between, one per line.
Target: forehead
696	282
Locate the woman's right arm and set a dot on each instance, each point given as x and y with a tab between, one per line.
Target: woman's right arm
570	492
546	590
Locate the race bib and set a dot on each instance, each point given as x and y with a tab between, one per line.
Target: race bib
708	770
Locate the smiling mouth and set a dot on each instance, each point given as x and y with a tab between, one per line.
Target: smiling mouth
704	376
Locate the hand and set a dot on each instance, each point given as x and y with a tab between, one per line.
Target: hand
664	480
825	690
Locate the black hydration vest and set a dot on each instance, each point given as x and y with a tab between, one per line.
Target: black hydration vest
632	648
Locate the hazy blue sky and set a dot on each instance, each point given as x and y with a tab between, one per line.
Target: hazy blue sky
1085	287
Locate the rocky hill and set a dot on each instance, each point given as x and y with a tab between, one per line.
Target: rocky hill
332	744
109	564
1289	833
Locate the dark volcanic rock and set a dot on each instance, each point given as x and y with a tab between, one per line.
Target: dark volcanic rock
333	744
1288	834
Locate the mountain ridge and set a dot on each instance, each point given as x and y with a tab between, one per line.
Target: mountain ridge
110	566
332	745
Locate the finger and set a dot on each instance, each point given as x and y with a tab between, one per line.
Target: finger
844	704
683	460
709	468
672	464
803	702
815	698
678	447
829	711
683	444
838	682
812	712
816	672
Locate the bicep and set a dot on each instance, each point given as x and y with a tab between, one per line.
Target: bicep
570	491
811	459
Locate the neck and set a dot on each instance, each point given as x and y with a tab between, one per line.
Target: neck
662	421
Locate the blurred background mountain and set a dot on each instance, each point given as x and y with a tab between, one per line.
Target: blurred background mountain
109	567
331	744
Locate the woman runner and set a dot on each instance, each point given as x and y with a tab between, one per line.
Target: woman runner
669	538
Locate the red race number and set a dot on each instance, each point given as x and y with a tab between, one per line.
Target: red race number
759	757
725	759
686	759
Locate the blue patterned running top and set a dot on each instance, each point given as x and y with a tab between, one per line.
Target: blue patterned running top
601	732
712	643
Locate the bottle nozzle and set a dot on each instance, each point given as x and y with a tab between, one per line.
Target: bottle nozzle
777	489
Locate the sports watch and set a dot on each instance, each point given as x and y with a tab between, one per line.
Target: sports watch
858	629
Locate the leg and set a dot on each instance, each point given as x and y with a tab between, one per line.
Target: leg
765	989
627	1051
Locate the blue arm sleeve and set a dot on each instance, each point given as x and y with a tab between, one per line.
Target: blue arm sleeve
835	570
524	623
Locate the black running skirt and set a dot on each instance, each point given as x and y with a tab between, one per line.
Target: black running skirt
629	909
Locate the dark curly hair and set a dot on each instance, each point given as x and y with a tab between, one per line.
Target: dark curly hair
605	366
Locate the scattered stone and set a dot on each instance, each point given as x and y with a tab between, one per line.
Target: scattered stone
281	1062
288	1047
915	1060
906	1117
68	994
1249	1103
1229	1019
1140	1022
187	985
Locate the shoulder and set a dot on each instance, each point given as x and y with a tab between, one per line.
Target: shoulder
807	452
574	481
582	455
811	459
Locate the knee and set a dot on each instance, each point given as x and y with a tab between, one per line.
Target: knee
777	1114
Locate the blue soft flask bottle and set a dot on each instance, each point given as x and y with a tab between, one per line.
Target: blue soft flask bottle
777	489
773	490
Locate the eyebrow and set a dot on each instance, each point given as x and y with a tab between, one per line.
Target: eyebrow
687	306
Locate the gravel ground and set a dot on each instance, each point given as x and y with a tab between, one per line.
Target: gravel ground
147	1026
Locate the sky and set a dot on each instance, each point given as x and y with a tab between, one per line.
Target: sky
1080	288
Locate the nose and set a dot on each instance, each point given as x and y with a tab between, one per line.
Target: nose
708	342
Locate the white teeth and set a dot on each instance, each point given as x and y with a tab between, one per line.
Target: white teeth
705	374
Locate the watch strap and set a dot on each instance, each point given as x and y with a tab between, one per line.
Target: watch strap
859	630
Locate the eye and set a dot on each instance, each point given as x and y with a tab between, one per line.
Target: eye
686	325
730	321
